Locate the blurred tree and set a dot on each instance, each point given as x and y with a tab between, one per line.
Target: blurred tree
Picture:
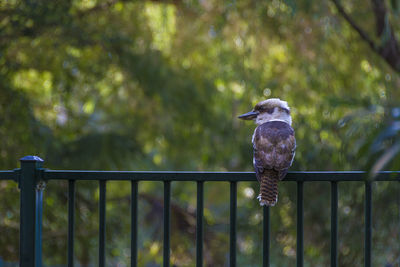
157	85
387	45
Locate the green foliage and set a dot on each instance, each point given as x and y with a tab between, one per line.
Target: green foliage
153	85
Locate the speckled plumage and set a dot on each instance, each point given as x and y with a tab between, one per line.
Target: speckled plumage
274	146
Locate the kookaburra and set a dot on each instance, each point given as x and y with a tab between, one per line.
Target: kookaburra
274	146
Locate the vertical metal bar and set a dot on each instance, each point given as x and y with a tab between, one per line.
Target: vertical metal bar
368	224
27	184
134	223
334	224
102	226
167	222
39	219
71	221
266	236
300	223
199	224
232	232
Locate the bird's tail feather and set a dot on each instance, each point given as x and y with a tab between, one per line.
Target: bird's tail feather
269	188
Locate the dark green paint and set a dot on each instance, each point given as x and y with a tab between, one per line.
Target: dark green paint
71	222
30	243
134	223
31	208
199	224
167	222
38	227
368	225
102	224
266	236
334	224
9	175
232	225
212	176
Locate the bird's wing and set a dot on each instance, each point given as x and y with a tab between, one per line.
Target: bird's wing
274	147
263	150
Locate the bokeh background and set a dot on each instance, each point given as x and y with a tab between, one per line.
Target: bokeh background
158	85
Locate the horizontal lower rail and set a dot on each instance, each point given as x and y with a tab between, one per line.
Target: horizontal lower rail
211	176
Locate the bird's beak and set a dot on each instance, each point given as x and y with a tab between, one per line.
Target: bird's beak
249	115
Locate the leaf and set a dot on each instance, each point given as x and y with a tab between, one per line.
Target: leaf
385	159
292	5
395	6
387	133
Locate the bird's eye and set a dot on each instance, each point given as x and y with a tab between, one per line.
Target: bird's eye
285	110
270	110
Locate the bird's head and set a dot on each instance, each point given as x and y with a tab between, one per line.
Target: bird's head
268	110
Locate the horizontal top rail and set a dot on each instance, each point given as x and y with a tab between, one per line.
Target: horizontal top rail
308	176
9	175
305	176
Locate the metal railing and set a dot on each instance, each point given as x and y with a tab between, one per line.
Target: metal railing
31	177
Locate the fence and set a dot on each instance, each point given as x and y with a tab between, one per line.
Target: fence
31	178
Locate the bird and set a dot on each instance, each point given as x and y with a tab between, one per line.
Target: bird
274	146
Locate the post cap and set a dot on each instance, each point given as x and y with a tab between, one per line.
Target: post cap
31	159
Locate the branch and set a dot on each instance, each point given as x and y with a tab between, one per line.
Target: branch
352	23
380	15
389	49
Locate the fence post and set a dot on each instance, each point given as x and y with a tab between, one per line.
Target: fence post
31	196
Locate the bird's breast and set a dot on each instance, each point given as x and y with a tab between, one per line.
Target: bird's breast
272	133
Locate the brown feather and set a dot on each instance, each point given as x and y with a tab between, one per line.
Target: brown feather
274	147
269	188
